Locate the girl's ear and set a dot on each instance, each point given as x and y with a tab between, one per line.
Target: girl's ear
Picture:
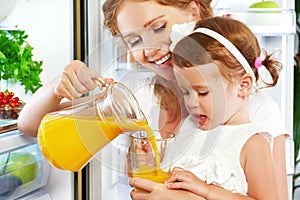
194	9
245	86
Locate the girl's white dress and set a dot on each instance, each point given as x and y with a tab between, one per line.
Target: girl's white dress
214	155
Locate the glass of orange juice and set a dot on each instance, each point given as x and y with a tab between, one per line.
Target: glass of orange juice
150	155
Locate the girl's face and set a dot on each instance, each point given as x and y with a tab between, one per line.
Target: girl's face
209	99
145	27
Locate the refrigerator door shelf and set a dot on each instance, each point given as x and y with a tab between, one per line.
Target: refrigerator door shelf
36	195
7	125
23	169
263	21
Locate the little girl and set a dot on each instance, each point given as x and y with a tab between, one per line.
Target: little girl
217	66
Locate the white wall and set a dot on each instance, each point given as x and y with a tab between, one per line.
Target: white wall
48	23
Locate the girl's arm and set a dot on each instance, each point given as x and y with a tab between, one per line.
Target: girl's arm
257	162
76	80
263	109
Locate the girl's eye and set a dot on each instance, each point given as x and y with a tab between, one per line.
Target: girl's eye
160	28
133	41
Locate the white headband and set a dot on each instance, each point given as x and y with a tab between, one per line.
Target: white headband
229	46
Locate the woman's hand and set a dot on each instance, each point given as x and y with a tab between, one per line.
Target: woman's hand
75	80
186	180
148	190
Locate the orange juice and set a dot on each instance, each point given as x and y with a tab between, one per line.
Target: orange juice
154	174
69	142
134	125
155	150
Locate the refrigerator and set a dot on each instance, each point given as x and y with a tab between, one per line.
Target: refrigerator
107	178
61	31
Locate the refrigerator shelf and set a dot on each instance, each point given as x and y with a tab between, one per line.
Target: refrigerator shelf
7	125
269	21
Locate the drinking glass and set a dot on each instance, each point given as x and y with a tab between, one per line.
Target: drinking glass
150	155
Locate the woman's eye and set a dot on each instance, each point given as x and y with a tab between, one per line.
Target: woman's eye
159	29
202	93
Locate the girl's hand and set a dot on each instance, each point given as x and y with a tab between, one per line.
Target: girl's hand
75	80
186	180
148	190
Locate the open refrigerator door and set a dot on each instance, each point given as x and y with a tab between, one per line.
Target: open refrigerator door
275	30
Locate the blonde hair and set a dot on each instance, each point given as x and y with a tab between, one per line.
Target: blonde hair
111	9
198	49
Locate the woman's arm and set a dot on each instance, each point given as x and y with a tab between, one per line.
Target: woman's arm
185	180
279	155
75	80
148	190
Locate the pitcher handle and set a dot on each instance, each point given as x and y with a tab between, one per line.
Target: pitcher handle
103	82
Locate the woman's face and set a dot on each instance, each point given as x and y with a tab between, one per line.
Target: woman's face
145	27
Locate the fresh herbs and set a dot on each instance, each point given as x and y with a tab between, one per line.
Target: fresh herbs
16	60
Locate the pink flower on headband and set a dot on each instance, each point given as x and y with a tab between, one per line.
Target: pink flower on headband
258	63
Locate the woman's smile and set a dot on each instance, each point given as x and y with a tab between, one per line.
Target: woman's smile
148	36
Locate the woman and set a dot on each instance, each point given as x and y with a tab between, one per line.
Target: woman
145	26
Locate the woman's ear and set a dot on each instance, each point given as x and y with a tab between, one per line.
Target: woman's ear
194	9
245	86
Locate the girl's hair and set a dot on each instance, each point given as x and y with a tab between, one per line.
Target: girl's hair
198	49
111	10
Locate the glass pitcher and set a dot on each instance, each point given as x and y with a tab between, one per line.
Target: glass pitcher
69	138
